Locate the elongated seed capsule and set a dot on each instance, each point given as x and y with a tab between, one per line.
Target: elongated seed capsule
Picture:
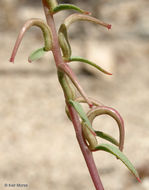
63	37
67	86
91	139
45	30
114	114
81	17
66	69
64	43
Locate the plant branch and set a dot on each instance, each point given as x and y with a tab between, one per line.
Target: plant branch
85	150
55	48
75	120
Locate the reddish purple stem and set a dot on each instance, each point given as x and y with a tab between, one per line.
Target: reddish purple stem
77	126
85	150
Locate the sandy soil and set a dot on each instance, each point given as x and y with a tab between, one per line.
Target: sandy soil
37	142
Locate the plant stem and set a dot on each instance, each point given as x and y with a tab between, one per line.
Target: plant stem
75	119
55	49
57	53
85	150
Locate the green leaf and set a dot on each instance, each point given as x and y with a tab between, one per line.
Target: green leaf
107	137
36	55
80	59
62	7
80	111
115	151
82	114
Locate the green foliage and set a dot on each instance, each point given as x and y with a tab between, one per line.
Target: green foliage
36	55
82	114
62	7
65	73
80	59
107	137
115	151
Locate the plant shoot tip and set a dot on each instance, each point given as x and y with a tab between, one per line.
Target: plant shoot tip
87	13
109	73
11	60
109	26
90	105
139	180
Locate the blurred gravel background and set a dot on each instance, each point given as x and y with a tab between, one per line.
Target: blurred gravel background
37	142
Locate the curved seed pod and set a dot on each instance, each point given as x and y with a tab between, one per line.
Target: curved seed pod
68	88
65	82
62	7
94	102
80	59
93	143
66	69
63	37
80	17
87	130
114	114
64	43
45	30
100	134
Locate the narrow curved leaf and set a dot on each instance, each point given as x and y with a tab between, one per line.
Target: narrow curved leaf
107	137
80	59
82	114
36	55
62	7
115	151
